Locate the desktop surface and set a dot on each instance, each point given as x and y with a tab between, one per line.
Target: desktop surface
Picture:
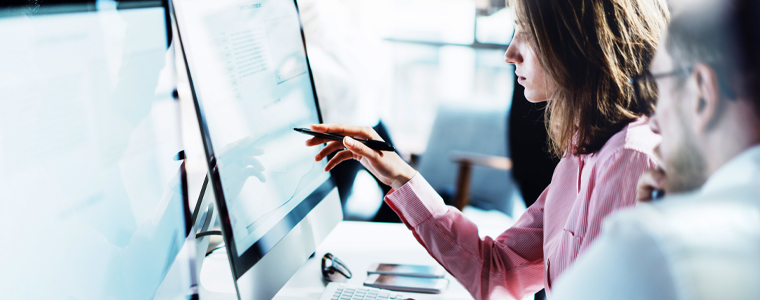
359	245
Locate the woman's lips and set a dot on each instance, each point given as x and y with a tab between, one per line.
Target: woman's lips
521	80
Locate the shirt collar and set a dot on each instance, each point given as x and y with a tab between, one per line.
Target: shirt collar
742	170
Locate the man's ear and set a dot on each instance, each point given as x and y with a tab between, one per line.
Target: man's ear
708	103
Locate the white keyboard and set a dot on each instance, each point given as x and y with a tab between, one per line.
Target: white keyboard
342	291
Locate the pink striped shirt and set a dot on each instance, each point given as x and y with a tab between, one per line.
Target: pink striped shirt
545	241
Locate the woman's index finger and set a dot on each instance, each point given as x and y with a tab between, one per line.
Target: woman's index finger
342	129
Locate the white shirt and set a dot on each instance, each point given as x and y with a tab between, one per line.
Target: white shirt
705	245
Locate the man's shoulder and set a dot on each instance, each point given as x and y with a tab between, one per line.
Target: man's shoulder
670	250
682	216
710	247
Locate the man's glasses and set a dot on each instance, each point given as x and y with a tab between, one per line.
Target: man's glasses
332	266
645	84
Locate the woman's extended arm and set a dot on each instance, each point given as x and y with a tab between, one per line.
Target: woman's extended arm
510	265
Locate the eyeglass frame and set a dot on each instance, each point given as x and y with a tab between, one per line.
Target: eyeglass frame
686	71
725	88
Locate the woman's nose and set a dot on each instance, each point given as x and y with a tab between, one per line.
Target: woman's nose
512	56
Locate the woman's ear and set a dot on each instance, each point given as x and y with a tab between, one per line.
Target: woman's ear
707	109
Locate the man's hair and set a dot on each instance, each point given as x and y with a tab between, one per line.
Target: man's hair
723	34
590	48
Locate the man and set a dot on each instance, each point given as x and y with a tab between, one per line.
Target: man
703	240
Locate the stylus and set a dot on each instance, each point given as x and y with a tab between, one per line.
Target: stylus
372	144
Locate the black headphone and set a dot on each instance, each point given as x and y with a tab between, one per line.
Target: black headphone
336	265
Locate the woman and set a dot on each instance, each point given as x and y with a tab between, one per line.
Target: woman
578	55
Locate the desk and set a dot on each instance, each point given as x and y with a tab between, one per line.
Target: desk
358	244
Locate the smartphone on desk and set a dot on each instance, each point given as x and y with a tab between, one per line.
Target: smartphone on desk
407	270
407	284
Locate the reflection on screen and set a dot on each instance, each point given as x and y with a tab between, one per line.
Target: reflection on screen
251	78
91	194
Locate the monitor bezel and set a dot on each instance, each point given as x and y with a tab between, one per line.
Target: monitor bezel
240	264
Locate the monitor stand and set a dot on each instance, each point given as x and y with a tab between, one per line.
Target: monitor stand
218	281
215	278
203	217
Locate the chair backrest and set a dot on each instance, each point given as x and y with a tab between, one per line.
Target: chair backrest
475	130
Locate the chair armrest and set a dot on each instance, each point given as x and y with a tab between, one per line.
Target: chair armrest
466	160
489	161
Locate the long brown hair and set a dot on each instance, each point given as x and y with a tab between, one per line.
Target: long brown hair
590	48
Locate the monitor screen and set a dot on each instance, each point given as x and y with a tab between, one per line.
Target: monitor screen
92	201
253	85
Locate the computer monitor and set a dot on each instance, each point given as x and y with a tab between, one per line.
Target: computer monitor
252	85
93	205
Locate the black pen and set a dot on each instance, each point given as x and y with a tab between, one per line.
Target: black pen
372	144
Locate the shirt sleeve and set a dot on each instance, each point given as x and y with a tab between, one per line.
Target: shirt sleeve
510	266
614	189
624	263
